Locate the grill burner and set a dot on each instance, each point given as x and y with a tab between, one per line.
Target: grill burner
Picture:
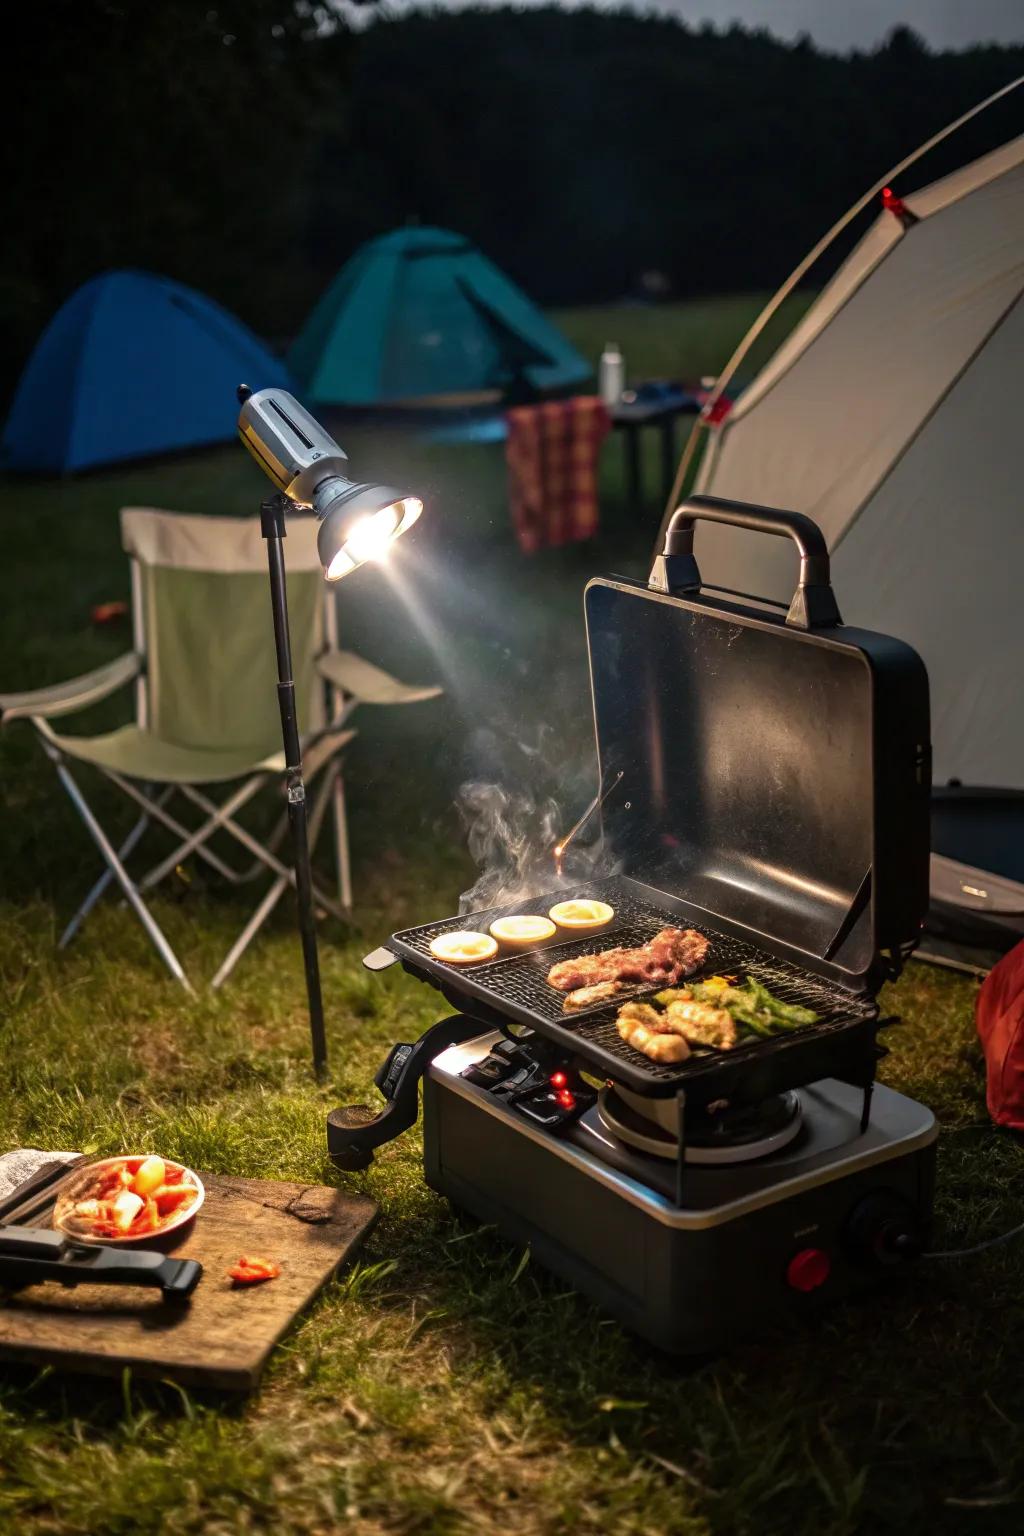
736	1134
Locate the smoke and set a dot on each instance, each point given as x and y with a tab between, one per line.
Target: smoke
510	837
513	821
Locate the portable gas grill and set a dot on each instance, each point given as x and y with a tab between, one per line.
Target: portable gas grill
768	782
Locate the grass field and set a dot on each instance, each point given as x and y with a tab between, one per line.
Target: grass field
446	1384
682	340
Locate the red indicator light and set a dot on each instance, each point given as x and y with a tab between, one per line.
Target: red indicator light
566	1099
808	1269
558	1080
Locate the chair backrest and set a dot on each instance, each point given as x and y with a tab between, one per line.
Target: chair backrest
202	619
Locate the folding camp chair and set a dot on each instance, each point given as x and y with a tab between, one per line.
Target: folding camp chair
205	707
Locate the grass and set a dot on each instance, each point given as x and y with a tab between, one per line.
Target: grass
445	1384
685	340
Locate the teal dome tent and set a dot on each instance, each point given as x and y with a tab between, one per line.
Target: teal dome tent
132	365
419	316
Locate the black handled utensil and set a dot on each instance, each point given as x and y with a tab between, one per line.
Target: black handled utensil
29	1197
29	1255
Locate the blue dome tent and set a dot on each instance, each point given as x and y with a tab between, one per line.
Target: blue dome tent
420	316
131	365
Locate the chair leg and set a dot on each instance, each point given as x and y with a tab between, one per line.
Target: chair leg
126	848
342	857
252	927
277	888
157	809
229	825
195	841
121	875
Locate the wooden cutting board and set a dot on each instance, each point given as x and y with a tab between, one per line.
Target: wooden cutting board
223	1336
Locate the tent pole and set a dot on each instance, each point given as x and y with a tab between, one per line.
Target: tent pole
798	273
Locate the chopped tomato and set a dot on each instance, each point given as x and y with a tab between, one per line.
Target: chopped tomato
250	1270
148	1219
169	1196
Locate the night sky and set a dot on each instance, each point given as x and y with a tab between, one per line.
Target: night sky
839	25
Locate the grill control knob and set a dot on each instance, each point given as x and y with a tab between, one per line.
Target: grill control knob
883	1229
808	1269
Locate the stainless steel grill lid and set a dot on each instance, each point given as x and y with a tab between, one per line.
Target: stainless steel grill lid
774	776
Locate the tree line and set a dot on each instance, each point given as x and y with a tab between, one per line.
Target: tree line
249	147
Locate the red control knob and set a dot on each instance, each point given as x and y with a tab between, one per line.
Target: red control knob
808	1269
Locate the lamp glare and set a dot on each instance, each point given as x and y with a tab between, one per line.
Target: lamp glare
371	537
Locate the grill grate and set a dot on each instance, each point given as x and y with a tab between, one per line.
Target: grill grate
834	1010
516	986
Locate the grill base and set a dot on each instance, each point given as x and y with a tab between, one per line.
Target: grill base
697	1278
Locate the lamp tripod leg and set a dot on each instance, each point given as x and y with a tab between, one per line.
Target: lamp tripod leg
272	514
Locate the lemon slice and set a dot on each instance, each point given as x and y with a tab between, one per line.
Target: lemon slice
522	931
581	914
463	948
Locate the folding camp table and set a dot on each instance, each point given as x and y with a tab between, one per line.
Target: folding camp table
630	416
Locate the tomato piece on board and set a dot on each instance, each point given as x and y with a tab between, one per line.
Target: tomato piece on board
250	1270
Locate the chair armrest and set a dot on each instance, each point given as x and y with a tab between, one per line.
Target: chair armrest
68	698
368	684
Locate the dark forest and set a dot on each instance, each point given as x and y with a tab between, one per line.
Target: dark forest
248	149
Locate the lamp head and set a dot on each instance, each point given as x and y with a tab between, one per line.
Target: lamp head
357	522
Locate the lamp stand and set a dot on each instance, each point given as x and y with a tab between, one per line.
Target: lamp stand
272	514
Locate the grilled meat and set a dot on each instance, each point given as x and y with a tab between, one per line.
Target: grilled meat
586	997
702	1024
673	952
658	1046
642	1013
642	1025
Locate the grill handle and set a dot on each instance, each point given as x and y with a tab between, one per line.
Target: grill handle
354	1130
675	570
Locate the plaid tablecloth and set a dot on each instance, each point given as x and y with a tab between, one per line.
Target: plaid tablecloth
552	456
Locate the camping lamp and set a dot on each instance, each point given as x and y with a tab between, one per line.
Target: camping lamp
357	523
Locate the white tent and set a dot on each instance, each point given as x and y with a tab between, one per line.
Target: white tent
894	417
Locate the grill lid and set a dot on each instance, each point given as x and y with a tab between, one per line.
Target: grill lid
774	771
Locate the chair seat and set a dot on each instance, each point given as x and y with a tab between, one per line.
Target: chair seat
367	683
139	754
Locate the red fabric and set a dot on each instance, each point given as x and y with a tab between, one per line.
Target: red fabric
999	1014
108	613
551	454
718	412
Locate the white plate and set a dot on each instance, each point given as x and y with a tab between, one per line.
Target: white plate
82	1180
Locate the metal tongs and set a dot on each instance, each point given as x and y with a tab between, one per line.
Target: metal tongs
29	1255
